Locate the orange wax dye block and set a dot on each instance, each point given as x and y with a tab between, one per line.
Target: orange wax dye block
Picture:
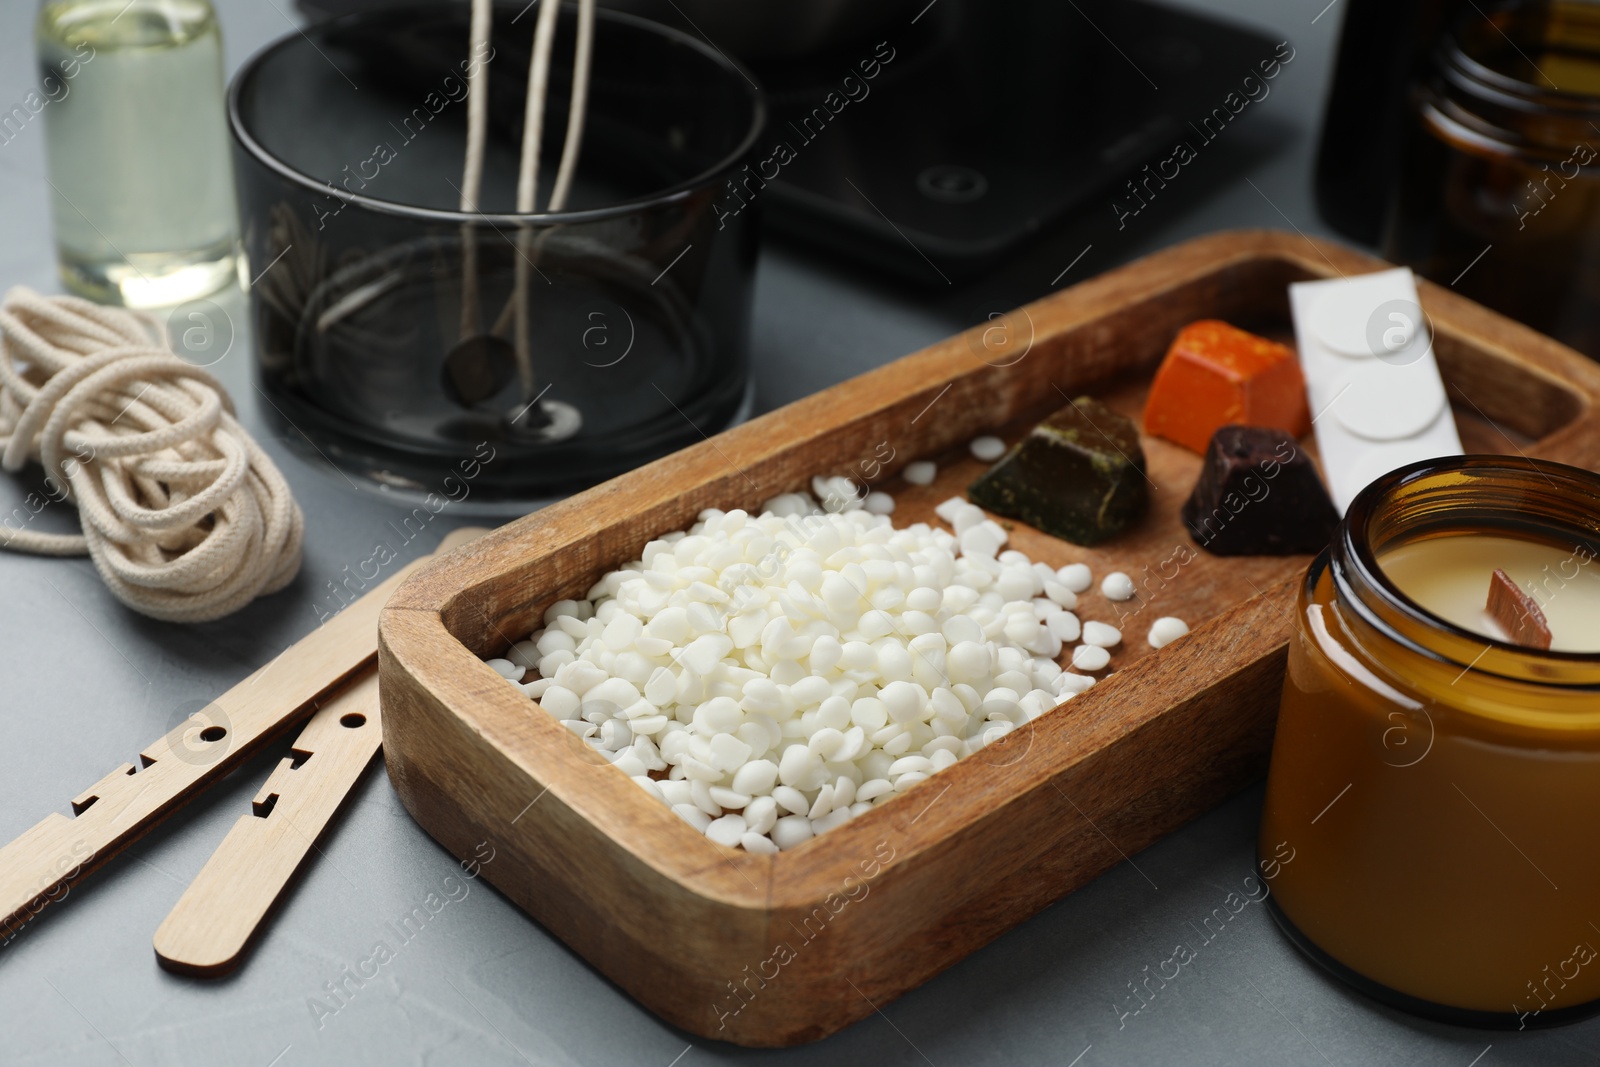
1217	375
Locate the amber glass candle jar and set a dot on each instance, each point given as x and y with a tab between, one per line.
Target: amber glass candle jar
1500	186
1439	786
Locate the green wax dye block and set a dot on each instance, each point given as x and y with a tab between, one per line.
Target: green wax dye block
1078	475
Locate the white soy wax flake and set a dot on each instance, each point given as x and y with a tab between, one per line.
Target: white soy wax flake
791	830
987	448
1117	586
506	669
879	503
760	815
949	509
760	843
967	517
920	472
1090	658
791	800
982	540
1070	684
1063	626
756	778
878	787
726	830
560	701
1058	594
1076	576
836	818
1166	630
1101	634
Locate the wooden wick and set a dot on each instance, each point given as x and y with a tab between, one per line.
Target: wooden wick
1517	613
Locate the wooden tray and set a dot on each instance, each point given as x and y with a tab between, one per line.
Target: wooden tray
777	950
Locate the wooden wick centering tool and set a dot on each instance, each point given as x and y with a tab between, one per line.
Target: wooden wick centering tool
330	673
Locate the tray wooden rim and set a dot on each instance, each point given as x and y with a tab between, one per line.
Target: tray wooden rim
418	651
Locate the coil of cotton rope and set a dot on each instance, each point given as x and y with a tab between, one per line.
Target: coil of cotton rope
184	515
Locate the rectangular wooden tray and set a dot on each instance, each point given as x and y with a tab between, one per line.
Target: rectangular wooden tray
777	950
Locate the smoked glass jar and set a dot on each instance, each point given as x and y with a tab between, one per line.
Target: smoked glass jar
385	317
1440	788
1500	189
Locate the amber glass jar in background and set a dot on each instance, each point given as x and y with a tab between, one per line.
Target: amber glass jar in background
1500	188
1440	791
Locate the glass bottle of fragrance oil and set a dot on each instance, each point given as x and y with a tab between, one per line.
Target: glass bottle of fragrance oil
1436	768
137	149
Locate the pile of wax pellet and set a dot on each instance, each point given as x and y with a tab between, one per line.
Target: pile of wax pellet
771	677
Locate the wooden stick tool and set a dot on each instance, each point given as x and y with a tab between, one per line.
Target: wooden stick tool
40	866
207	931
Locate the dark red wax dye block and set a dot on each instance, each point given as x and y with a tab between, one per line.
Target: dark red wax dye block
1259	495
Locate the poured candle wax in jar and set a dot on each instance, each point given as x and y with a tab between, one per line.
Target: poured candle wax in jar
1438	791
1450	576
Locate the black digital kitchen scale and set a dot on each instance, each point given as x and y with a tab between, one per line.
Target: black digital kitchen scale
945	137
995	120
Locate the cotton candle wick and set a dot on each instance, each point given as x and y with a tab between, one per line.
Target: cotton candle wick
472	167
470	373
1517	613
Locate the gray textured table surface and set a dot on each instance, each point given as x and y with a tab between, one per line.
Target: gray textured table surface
86	684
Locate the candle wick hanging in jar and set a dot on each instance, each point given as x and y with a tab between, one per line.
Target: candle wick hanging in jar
1516	612
528	182
472	168
532	137
553	419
